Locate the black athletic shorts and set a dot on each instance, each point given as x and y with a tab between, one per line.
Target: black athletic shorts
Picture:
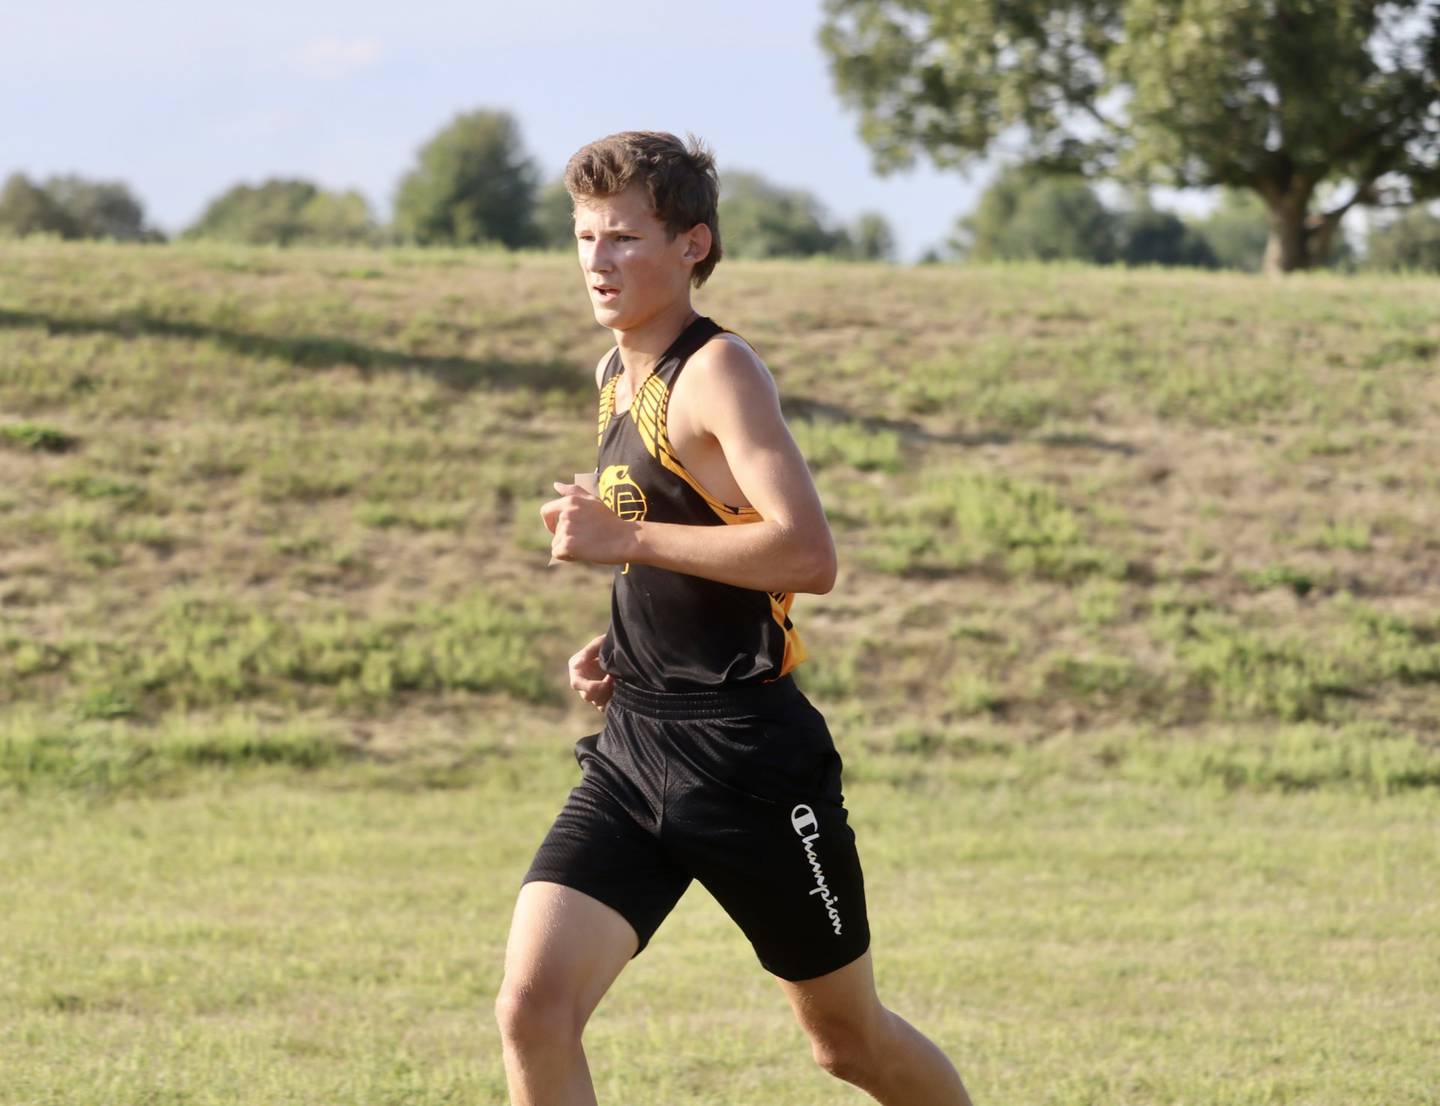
738	788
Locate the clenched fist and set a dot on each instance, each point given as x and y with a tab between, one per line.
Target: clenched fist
585	529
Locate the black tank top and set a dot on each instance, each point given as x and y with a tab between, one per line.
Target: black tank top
671	631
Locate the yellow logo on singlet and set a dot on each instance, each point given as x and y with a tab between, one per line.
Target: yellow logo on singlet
622	495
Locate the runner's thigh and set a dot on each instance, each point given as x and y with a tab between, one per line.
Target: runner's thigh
565	948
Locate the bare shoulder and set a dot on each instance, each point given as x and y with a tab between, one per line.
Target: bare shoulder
600	365
727	364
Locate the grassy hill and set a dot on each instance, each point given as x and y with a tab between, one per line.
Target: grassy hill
283	506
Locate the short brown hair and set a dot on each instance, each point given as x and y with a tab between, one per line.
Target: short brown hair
680	180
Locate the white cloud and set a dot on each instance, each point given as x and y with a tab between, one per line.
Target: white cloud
329	58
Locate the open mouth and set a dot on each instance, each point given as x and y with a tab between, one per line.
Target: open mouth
605	292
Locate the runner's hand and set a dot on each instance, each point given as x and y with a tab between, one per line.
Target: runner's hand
584	529
592	682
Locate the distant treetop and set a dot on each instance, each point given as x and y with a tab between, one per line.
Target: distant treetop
72	206
474	183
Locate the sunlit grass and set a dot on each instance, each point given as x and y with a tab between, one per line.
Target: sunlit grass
1132	660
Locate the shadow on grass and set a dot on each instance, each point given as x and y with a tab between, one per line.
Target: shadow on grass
309	351
803	407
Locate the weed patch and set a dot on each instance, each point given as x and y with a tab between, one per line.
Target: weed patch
959	519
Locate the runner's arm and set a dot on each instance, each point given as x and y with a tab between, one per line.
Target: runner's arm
791	548
593	684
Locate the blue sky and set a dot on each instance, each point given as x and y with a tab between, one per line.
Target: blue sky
183	100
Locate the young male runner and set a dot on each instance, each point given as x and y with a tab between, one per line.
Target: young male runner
711	763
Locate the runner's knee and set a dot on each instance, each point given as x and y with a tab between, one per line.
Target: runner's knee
844	1059
531	1015
848	1050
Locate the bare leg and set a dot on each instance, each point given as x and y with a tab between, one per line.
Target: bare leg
565	950
856	1039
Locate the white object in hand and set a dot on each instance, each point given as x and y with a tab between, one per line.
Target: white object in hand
586	480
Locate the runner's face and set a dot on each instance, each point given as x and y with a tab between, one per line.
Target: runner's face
632	269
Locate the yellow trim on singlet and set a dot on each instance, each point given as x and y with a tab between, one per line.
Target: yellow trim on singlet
651	418
607	407
795	650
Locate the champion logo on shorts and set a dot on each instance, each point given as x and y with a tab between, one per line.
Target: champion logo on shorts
808	827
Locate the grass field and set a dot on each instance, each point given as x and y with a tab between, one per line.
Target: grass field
1134	660
1069	942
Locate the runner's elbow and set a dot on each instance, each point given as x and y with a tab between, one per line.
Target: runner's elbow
822	569
802	562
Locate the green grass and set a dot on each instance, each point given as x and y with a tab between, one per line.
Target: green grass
1094	941
206	651
29	435
826	444
949	520
1133	659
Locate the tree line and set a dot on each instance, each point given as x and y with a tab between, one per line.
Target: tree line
73	207
1026	214
474	183
1300	110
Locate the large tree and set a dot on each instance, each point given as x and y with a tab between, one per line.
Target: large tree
1315	105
